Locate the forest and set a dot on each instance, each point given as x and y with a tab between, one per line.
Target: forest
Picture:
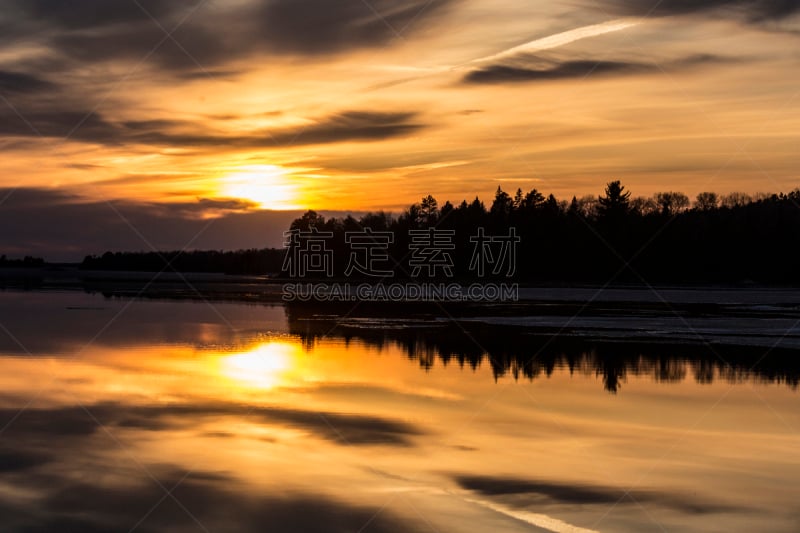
733	238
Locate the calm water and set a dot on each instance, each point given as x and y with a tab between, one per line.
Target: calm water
182	416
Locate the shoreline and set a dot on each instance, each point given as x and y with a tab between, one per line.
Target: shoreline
268	288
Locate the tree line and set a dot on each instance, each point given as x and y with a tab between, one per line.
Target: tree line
26	262
734	238
612	237
244	262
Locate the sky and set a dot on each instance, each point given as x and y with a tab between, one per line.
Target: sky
132	123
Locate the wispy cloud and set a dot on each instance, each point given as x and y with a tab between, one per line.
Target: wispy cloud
561	39
536	45
538	520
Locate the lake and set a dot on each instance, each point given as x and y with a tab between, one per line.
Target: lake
163	415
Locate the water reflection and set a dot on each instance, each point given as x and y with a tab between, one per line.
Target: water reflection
522	353
171	421
262	366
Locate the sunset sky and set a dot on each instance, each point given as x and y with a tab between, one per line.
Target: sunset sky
187	110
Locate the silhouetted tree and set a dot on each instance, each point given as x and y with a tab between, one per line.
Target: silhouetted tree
428	211
615	203
574	207
446	209
310	219
533	200
518	199
476	209
502	205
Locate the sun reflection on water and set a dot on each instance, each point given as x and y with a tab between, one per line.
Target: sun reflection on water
263	367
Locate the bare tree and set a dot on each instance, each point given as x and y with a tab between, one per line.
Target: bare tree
644	206
706	201
736	199
671	202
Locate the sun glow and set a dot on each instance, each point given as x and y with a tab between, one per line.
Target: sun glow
263	367
269	186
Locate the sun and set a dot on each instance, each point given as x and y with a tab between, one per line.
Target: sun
268	186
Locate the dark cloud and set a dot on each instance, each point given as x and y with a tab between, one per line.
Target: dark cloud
574	493
578	69
203	74
500	486
57	123
88	14
189	48
91	127
18	82
322	26
754	10
347	126
18	460
43	425
211	36
53	95
206	205
95	31
354	125
565	70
